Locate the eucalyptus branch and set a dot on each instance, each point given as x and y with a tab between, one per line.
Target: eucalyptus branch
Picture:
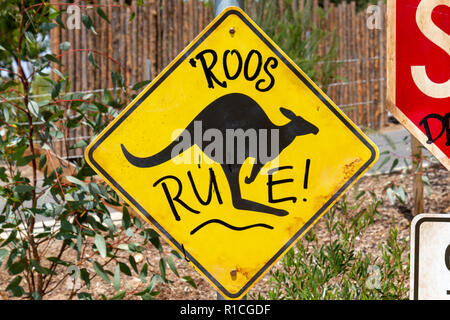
96	52
13	104
53	267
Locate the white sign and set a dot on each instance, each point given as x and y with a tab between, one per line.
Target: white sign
430	257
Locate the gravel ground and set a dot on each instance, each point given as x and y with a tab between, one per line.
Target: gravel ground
436	201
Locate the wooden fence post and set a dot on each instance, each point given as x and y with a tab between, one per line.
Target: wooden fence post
416	159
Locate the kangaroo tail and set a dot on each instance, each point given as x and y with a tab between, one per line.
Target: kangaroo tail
147	162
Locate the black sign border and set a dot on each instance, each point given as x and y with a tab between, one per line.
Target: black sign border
154	85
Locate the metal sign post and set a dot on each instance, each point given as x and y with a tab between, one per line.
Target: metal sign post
219	6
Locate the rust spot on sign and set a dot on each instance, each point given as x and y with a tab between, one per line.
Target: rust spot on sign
351	168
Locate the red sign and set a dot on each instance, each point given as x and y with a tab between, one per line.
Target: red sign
420	79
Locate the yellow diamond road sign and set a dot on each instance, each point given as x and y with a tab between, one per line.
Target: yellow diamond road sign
232	153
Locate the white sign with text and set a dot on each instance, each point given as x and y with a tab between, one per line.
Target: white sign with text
430	257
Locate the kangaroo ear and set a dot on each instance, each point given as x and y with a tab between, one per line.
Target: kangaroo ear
288	113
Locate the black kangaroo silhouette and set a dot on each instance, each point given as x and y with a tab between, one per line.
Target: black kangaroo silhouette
237	111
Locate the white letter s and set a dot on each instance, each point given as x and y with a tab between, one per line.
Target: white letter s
438	37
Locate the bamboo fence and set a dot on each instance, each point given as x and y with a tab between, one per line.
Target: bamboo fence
160	29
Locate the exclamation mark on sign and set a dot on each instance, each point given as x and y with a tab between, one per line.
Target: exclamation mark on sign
305	181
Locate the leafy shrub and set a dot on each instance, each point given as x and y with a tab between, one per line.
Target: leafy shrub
300	36
333	267
59	227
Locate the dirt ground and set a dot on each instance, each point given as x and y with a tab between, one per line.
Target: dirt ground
437	200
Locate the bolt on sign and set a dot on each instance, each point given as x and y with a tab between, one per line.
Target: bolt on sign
430	257
232	153
419	71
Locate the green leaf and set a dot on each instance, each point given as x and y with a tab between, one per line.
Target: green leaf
109	223
116	281
394	164
64	46
91	60
12	236
14	283
117	79
126	220
129	232
390	194
30	37
18	154
162	268
87	21
119	295
58	261
53	13
101	272
107	97
84	275
123	246
172	266
139	85
17	267
130	258
385	160
3	175
17	291
36	296
134	247
153	282
125	269
56	89
157	244
100	244
47	26
67	226
23	188
149	296
59	21
42	161
3	254
137	222
7	84
79	144
14	287
40	269
189	280
94	189
52	58
143	274
102	14
401	193
78	182
33	107
84	296
176	254
25	160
